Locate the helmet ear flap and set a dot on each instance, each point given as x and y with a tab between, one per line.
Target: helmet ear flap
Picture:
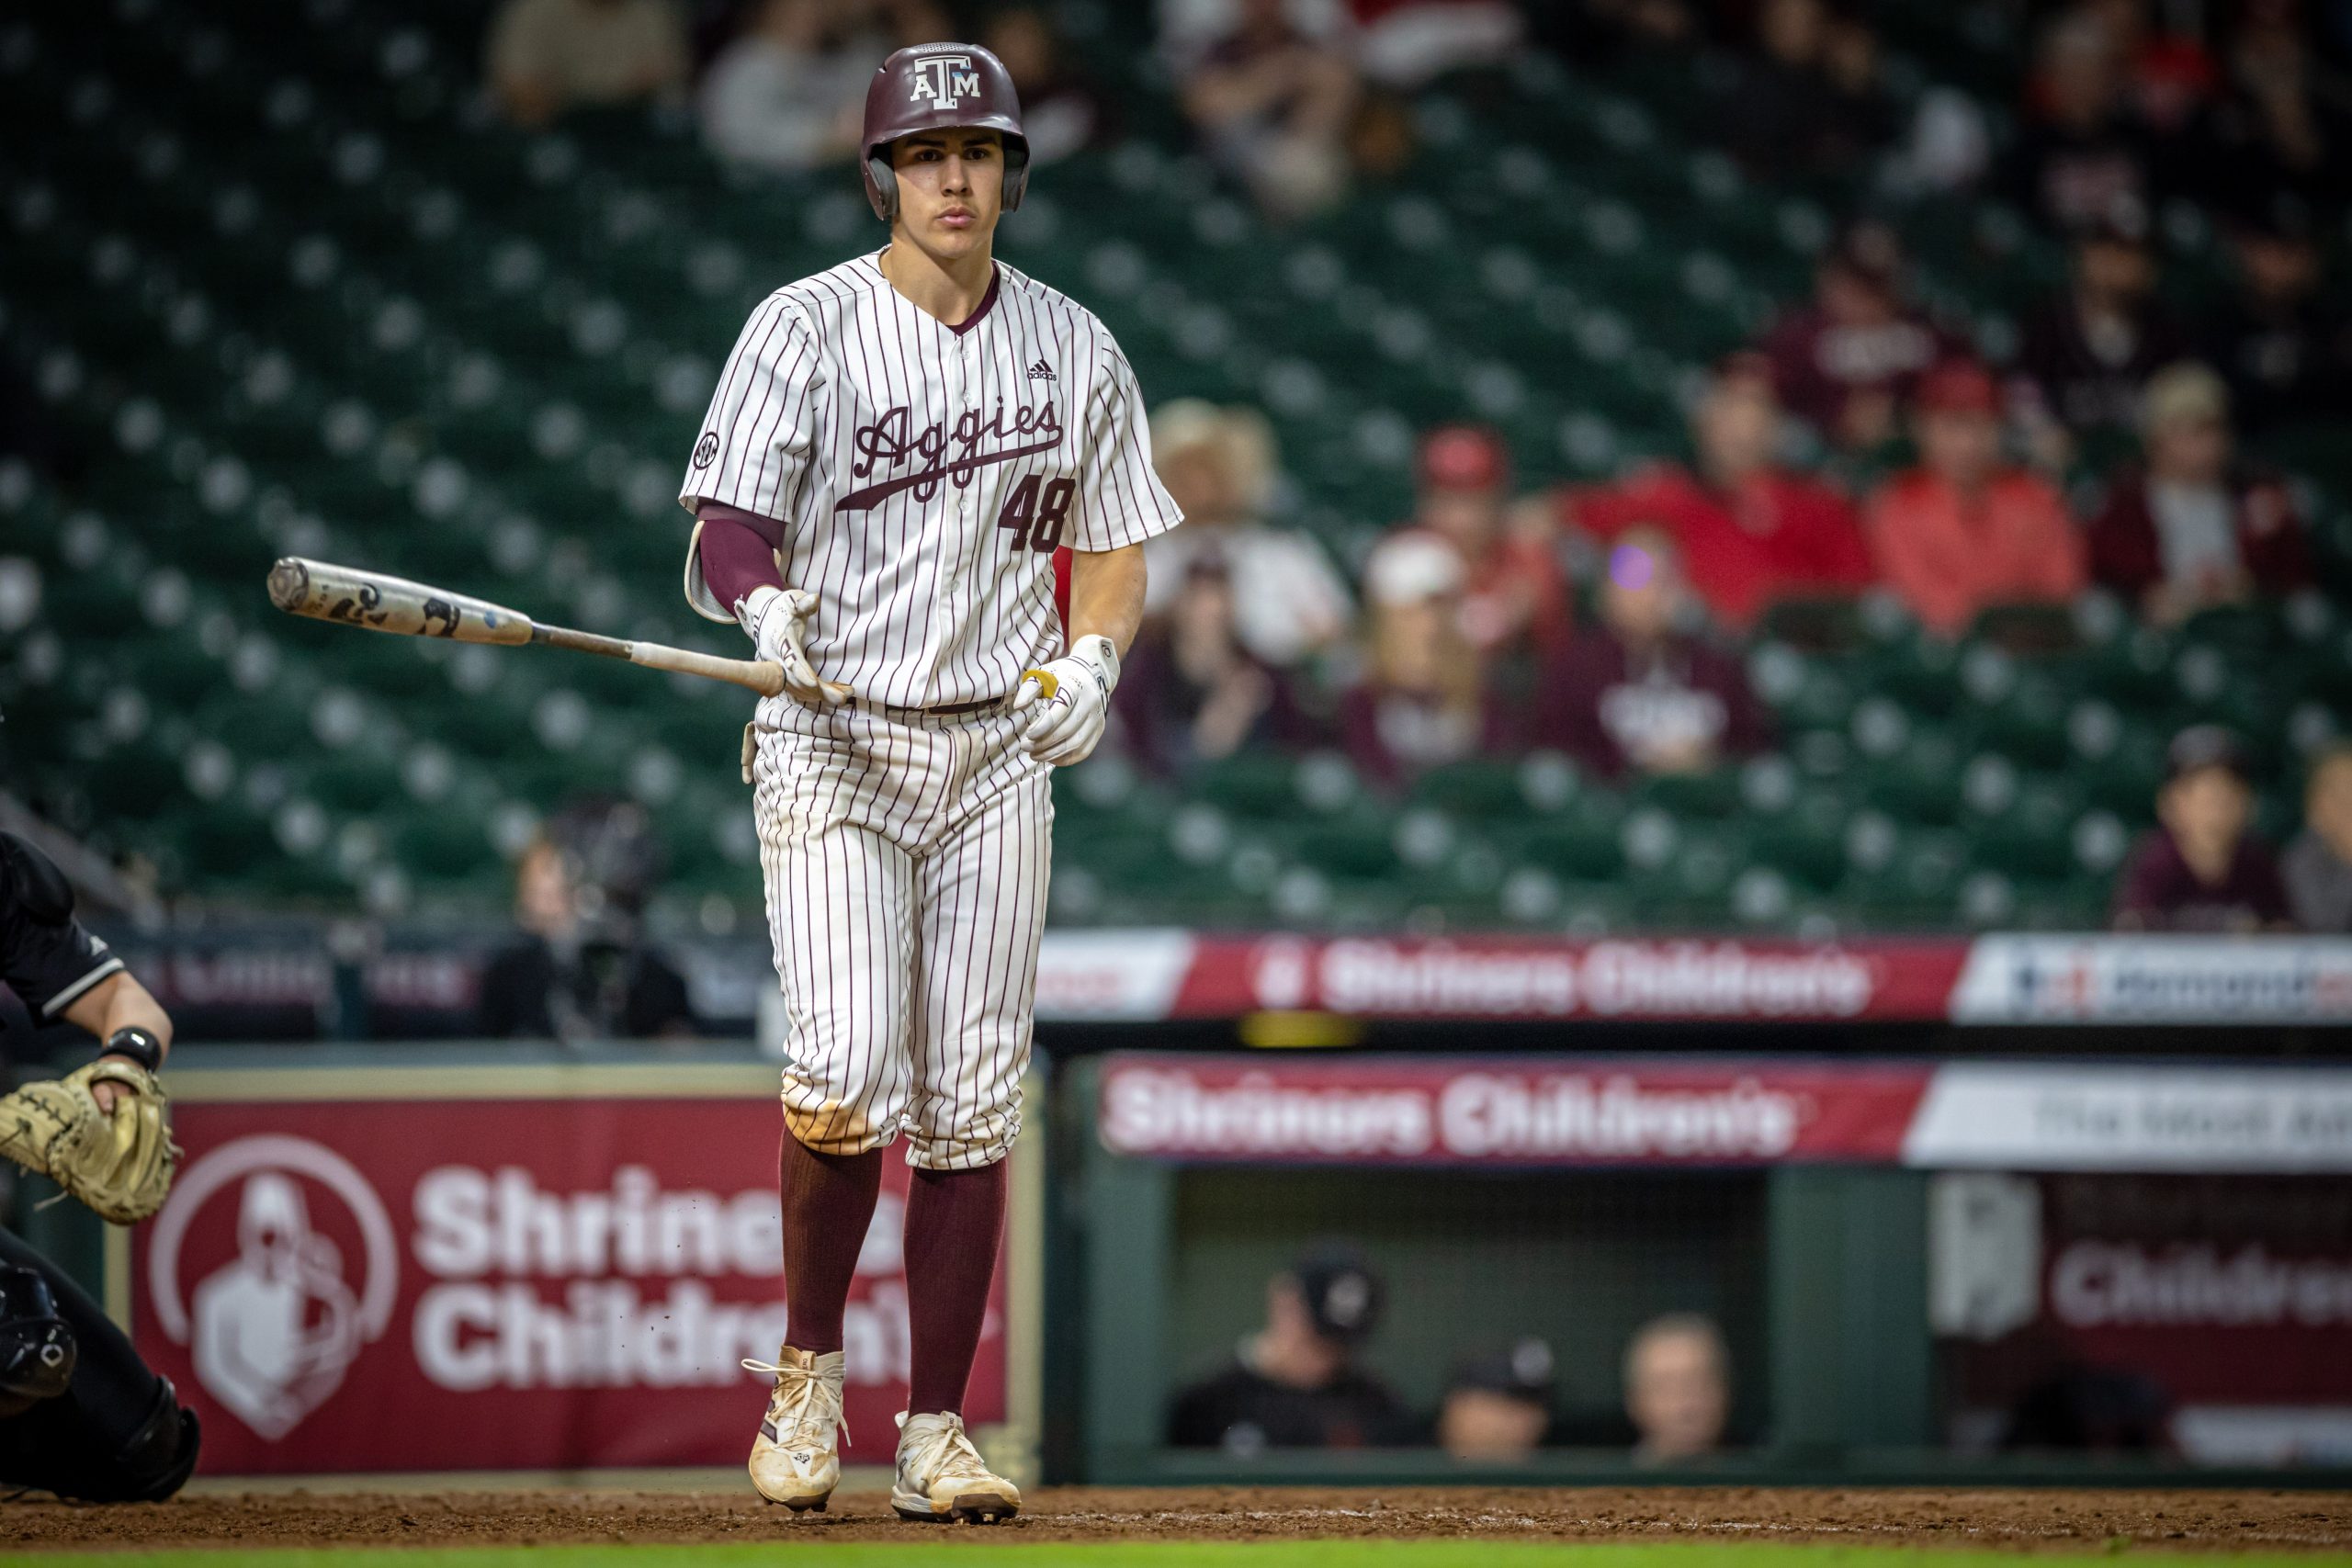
882	184
1016	171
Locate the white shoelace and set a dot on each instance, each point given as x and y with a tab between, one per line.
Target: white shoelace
945	1451
801	1395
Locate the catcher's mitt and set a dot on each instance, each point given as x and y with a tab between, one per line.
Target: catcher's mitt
120	1165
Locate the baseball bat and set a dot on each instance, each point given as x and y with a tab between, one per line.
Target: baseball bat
352	596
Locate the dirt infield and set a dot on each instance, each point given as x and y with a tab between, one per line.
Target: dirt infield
2017	1520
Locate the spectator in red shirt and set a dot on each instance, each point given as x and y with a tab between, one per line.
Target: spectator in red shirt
2189	530
1750	529
2201	870
1639	692
1848	362
1424	698
1964	530
1514	596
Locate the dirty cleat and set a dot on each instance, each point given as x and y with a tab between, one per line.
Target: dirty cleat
795	1460
941	1478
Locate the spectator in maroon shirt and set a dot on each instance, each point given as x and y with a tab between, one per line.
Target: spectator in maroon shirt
2168	72
2283	340
1639	693
1273	102
1849	361
1809	99
2188	529
2201	870
1191	693
1424	699
1750	529
2280	127
2082	148
2088	353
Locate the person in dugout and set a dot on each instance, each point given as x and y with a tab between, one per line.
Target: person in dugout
81	1414
1296	1383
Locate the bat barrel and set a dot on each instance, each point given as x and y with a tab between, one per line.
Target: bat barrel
352	597
289	584
326	592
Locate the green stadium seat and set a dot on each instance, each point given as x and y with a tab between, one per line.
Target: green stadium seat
332	314
1921	783
1712	794
2030	726
1807	844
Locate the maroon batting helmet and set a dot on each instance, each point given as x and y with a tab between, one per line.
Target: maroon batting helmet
940	86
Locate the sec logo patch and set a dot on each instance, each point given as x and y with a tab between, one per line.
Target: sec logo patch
707	449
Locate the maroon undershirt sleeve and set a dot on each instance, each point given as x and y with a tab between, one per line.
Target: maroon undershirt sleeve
737	550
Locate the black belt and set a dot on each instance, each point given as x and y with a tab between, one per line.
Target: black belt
949	710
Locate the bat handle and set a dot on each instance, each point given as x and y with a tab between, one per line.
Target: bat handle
756	673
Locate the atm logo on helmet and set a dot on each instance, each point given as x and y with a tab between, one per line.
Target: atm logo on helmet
946	80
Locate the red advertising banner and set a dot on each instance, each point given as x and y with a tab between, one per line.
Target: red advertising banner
2222	1303
1547	978
2227	1289
413	1284
1402	1110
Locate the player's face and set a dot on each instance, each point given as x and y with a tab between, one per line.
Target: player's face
951	190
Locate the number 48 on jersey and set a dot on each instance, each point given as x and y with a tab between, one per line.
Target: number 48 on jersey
1037	524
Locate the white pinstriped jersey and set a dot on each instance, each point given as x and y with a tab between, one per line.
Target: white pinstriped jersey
925	473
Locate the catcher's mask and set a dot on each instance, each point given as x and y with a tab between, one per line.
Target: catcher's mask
36	1350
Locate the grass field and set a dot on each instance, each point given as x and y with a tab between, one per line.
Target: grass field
1152	1555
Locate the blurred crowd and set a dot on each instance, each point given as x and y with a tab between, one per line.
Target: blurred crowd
1469	639
1862	444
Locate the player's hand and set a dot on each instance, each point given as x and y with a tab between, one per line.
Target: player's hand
105	1091
777	619
1069	702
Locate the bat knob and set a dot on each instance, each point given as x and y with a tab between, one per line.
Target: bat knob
289	583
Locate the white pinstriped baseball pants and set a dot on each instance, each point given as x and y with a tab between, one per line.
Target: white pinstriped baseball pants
906	861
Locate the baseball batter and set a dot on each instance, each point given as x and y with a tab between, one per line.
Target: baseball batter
896	449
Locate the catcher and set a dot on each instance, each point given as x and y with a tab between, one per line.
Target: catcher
81	1414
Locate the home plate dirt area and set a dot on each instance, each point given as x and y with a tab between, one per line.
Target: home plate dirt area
2009	1520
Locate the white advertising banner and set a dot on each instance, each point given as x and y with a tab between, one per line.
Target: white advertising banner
2024	1116
2154	979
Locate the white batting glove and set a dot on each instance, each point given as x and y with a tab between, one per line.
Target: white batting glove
777	619
1068	700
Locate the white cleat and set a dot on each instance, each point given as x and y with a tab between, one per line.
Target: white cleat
941	1478
795	1460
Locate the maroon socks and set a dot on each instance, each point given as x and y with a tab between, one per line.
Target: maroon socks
827	1203
955	1220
